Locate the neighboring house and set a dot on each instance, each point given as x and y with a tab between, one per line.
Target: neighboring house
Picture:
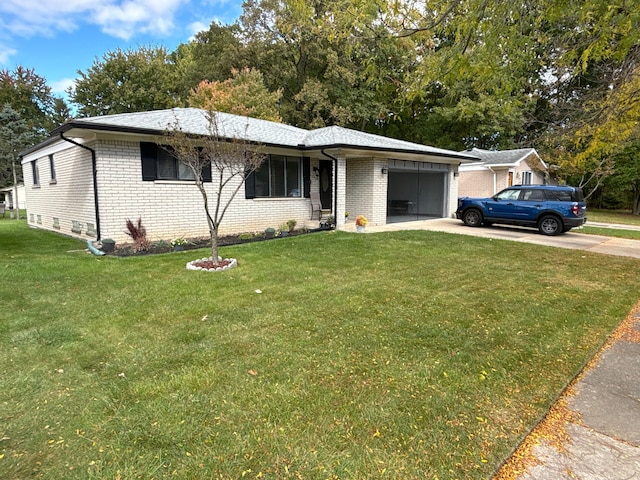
7	195
498	170
93	174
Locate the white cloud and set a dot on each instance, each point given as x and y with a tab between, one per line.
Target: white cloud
195	28
119	18
60	87
5	53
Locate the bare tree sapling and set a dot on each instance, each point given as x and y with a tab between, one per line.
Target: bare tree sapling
232	158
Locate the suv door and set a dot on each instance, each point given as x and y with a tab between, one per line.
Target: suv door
503	204
531	202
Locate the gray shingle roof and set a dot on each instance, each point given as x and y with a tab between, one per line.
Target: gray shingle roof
343	136
194	121
504	157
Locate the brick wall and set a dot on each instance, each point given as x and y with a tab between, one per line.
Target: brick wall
480	182
366	190
171	209
475	183
168	209
66	205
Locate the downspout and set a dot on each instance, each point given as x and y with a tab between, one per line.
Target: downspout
495	180
335	185
95	179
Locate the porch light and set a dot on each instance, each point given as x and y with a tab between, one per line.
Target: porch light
385	170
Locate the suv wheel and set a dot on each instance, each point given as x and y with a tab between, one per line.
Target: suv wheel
472	218
550	225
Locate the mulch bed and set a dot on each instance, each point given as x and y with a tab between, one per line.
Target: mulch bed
127	249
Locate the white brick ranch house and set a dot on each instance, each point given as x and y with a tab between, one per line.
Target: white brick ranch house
93	174
497	170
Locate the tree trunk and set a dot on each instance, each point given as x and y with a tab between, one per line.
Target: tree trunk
214	245
16	203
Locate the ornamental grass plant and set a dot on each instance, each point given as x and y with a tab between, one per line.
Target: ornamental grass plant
391	355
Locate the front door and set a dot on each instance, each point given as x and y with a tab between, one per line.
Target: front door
326	184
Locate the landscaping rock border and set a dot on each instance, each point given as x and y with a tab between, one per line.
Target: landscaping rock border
207	264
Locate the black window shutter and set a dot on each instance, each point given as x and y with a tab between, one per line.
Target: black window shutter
149	155
306	176
250	185
206	172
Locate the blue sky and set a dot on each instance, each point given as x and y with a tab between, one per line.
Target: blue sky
59	37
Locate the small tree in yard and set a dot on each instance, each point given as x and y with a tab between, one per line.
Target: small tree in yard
232	158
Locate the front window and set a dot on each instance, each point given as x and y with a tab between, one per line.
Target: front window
526	178
158	163
279	176
170	168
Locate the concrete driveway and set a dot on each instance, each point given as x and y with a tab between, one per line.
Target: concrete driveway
572	240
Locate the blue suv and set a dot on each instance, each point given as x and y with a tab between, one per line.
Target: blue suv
551	209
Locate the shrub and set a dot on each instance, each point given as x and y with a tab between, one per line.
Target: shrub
139	235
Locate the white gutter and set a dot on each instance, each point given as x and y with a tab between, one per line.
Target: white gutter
495	180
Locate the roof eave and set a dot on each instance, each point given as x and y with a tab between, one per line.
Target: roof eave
354	149
79	125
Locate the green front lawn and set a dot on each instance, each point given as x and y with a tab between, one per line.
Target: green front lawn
610	232
393	355
612	216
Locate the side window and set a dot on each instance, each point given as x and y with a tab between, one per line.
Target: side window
52	169
508	194
35	173
533	195
559	195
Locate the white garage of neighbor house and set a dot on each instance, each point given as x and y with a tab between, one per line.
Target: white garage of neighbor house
497	170
8	196
93	174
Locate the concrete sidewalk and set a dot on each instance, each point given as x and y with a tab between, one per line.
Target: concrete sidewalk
597	432
600	431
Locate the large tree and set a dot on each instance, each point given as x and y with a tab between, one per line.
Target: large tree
243	94
15	136
333	60
625	184
29	111
211	56
452	73
30	96
127	81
